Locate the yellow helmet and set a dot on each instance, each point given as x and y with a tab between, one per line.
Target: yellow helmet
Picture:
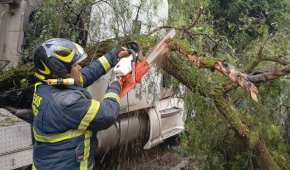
55	57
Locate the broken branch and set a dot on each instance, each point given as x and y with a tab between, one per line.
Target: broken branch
227	70
271	75
185	28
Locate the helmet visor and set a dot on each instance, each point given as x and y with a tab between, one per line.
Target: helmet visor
82	54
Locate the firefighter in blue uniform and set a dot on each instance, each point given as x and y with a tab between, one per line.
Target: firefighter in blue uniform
66	118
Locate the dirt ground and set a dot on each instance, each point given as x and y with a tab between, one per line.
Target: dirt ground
162	157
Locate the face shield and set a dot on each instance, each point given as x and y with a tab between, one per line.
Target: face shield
82	54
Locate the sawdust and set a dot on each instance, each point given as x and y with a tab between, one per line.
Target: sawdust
162	157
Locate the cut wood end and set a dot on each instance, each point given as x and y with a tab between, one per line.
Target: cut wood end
254	96
253	91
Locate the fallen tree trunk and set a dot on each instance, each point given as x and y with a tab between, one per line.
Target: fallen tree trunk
253	140
187	76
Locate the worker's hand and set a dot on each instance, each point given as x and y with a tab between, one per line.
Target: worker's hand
124	66
122	52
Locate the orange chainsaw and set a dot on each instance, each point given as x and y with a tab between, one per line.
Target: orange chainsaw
141	67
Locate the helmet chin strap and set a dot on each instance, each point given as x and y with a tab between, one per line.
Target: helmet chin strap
60	81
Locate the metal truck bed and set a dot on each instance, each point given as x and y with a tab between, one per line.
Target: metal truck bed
15	142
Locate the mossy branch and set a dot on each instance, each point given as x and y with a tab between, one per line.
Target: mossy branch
222	67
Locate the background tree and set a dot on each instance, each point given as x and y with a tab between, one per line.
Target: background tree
55	18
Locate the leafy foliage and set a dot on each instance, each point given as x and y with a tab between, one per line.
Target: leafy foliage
64	19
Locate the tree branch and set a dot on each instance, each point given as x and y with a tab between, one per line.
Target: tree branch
227	70
276	60
264	76
196	20
185	28
259	56
270	75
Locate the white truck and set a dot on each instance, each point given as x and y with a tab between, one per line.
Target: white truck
150	111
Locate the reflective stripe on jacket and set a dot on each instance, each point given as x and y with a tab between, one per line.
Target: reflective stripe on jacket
66	120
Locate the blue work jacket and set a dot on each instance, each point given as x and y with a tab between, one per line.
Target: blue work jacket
66	120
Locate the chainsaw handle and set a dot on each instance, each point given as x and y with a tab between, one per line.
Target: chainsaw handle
134	49
134	46
134	54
